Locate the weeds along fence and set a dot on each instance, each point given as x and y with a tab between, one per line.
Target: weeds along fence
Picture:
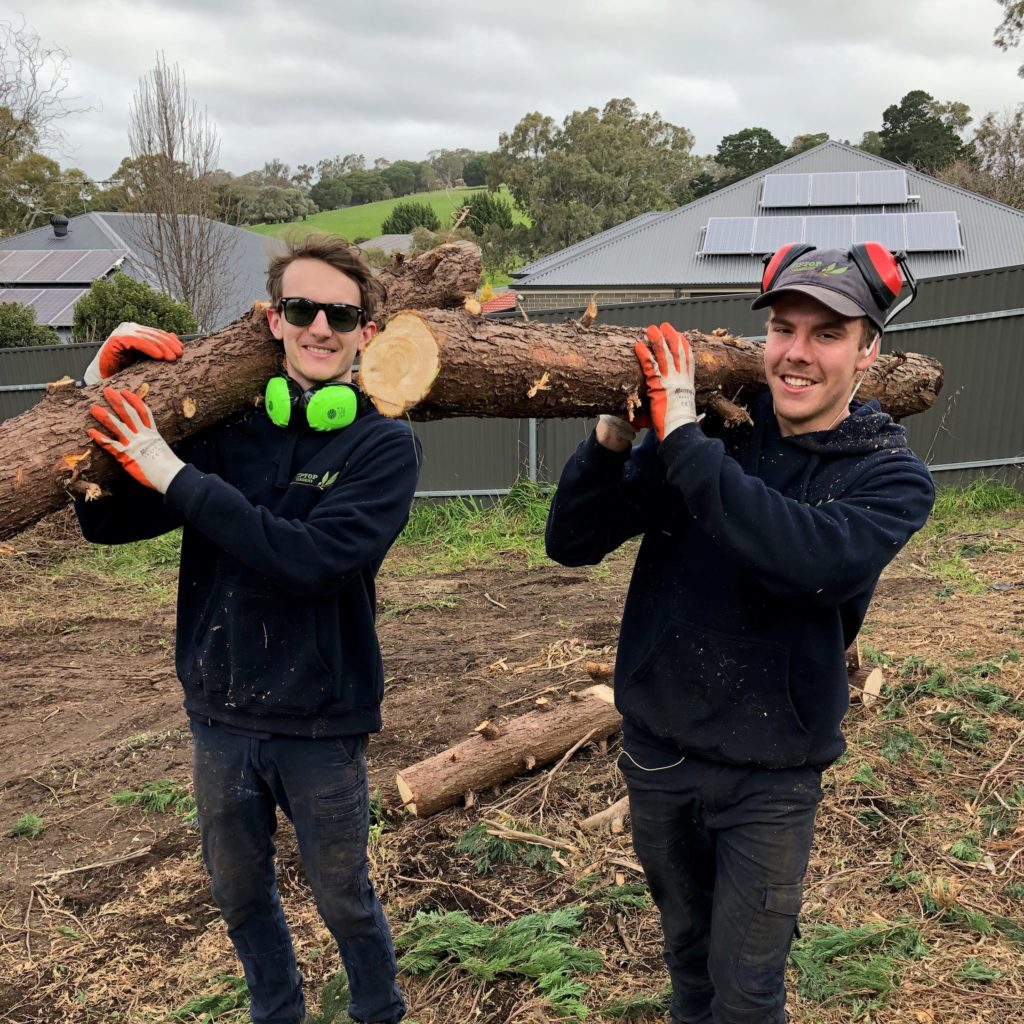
972	323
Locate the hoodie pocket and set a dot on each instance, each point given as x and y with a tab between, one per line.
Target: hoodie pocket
260	649
718	696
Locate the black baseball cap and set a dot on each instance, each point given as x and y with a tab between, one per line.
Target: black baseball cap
832	278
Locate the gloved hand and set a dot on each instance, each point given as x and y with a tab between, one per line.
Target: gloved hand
669	377
621	428
126	343
135	443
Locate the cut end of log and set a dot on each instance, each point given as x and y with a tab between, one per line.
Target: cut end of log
399	365
406	794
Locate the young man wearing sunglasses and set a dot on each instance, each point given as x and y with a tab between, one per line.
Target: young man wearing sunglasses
287	513
762	545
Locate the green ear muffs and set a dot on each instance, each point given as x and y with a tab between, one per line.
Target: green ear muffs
325	407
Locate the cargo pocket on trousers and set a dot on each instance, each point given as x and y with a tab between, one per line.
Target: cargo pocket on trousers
762	961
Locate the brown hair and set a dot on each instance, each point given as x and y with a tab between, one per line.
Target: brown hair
335	252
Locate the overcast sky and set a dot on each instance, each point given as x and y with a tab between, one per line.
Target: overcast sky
308	79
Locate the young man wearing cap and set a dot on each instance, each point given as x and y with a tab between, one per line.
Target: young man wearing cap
287	512
762	546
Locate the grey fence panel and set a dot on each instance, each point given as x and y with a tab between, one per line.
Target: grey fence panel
42	363
979	417
472	456
558	440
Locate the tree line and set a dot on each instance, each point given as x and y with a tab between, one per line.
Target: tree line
593	171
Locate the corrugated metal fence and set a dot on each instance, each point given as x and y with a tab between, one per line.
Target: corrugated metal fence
973	324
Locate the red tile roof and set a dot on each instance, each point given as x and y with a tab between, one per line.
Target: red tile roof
503	300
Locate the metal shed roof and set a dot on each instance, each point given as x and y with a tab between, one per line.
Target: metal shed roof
663	250
246	279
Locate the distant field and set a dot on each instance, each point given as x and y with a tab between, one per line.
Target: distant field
365	221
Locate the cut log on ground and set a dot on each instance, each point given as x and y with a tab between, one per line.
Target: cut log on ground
613	817
430	364
479	763
45	455
866	685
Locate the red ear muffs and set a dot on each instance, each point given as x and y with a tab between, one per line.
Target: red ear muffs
879	269
783	258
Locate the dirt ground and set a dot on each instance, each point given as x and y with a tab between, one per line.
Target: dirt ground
106	915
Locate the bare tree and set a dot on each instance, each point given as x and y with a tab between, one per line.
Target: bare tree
176	148
33	82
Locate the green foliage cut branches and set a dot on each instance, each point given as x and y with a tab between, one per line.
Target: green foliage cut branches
856	966
538	946
29	826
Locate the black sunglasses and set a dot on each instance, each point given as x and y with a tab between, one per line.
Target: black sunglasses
341	316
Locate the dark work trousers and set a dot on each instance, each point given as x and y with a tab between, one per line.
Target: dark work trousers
725	850
321	785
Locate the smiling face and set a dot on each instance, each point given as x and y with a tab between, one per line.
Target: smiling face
812	358
317	354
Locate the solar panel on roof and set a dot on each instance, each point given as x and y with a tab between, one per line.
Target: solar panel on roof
786	190
830	232
888	228
933	232
94	264
18	264
772	232
878	188
54	307
729	235
49	268
838	188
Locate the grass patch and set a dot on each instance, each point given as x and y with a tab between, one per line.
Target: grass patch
855	967
462	532
162	796
976	508
28	826
151	565
365	221
538	946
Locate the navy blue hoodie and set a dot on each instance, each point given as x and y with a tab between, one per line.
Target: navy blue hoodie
759	557
284	531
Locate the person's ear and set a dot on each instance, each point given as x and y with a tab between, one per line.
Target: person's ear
869	355
274	322
366	335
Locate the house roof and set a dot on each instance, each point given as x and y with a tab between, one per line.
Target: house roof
662	249
246	279
389	243
499	301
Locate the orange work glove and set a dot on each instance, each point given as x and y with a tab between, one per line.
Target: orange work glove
127	343
135	442
669	376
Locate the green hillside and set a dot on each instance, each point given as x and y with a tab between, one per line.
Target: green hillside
365	221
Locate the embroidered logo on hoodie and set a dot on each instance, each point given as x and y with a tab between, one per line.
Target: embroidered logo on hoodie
322	482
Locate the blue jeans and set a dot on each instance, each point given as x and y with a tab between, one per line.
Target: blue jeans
321	785
725	851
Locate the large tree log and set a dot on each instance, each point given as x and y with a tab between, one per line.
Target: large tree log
492	756
429	364
45	454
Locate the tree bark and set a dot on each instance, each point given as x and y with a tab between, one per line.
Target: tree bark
45	455
429	364
486	760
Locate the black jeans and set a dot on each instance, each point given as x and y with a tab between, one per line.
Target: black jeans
725	851
321	785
